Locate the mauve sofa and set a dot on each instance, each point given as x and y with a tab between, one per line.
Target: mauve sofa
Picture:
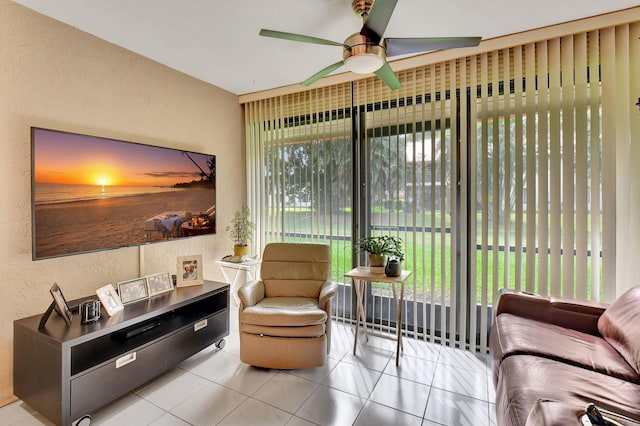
553	356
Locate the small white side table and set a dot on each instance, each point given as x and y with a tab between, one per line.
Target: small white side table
232	272
360	277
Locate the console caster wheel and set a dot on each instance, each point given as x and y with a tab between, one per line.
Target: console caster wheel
84	420
220	344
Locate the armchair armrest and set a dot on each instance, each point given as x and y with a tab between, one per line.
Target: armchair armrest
569	313
251	293
327	291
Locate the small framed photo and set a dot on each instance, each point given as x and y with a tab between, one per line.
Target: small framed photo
61	304
133	290
109	299
159	283
189	271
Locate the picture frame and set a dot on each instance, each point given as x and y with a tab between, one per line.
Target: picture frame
110	299
159	283
134	290
189	271
61	305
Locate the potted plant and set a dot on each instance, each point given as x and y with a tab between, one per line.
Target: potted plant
241	231
381	247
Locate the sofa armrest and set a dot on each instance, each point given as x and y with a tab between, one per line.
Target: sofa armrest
251	293
546	412
327	291
564	312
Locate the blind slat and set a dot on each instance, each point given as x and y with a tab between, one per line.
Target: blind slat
543	169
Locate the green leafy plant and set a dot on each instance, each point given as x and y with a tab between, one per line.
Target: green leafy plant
241	228
384	244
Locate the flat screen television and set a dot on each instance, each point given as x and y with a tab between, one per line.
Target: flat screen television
91	193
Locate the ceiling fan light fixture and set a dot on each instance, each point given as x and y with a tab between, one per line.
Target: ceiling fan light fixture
364	63
361	56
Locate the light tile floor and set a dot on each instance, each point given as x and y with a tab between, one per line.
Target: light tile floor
433	385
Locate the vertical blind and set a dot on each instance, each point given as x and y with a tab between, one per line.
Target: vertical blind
496	169
299	173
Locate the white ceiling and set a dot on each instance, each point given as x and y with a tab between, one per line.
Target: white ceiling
217	41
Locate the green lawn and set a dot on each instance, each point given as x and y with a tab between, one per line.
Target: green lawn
418	259
429	259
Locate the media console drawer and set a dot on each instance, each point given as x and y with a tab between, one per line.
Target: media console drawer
194	338
107	382
65	372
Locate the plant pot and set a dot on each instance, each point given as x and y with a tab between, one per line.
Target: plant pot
393	268
376	263
239	250
376	259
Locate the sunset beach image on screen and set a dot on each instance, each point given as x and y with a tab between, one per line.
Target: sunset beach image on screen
92	193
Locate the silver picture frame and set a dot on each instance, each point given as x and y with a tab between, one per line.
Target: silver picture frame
134	290
159	283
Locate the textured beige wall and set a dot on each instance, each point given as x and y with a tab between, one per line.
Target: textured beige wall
55	76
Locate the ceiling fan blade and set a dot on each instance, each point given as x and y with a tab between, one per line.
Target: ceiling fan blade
298	37
317	76
386	74
378	18
402	46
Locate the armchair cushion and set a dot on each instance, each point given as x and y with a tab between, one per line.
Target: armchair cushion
302	288
284	311
295	269
619	326
308	331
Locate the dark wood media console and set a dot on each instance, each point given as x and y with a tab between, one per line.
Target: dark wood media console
67	372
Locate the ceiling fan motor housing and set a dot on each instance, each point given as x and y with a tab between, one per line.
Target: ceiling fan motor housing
362	56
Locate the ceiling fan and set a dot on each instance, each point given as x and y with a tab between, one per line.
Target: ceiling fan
367	51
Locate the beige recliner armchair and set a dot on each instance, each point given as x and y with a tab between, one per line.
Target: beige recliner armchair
285	318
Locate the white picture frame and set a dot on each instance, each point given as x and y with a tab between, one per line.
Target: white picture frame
134	290
159	283
189	271
110	299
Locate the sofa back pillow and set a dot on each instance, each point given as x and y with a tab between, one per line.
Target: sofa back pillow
620	326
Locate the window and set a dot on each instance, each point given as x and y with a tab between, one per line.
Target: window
492	168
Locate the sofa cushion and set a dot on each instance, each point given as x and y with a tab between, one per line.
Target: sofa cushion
576	314
620	326
514	335
524	379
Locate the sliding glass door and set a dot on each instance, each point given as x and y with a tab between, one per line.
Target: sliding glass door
409	190
496	169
